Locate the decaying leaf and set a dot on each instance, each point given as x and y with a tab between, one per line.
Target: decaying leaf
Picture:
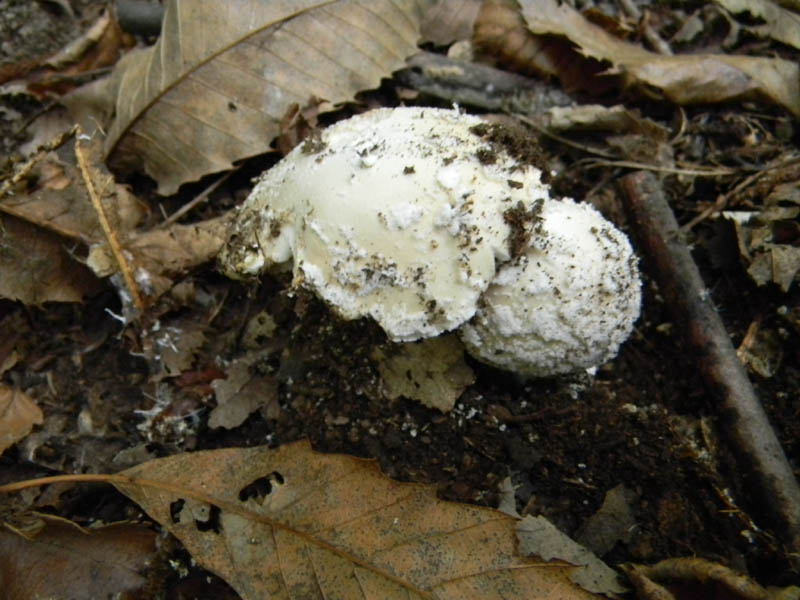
243	392
539	537
614	521
63	560
293	523
216	85
175	344
97	47
767	244
697	78
71	194
18	414
431	371
37	268
687	79
501	32
157	256
596	117
59	202
761	349
779	23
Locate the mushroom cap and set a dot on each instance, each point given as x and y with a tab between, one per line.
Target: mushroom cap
396	214
566	304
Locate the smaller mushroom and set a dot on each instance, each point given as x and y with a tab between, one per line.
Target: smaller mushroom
566	304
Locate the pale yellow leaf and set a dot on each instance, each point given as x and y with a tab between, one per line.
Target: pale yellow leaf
431	371
293	523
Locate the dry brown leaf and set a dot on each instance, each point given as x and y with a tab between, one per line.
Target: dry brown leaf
768	245
501	32
97	47
18	414
431	371
596	117
175	344
36	262
690	79
293	523
36	267
614	521
64	561
539	537
158	256
449	20
215	86
57	200
779	23
244	392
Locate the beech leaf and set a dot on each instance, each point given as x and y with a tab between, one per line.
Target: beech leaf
294	523
687	79
215	86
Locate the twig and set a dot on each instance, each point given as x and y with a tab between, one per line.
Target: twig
474	84
748	428
718	206
194	201
111	236
700	172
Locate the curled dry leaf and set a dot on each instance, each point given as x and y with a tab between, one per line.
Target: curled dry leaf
699	78
780	23
501	32
97	47
159	255
293	523
215	86
18	414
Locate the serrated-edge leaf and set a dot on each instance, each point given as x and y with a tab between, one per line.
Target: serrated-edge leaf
214	87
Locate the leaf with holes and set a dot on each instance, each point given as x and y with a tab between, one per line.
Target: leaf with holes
294	523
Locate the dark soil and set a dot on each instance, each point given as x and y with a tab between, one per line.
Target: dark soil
644	421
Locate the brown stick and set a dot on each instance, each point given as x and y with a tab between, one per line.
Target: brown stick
748	428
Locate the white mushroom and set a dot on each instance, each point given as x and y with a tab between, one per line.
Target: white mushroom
566	304
416	218
396	214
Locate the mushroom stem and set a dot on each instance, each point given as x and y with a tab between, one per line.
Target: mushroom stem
748	428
